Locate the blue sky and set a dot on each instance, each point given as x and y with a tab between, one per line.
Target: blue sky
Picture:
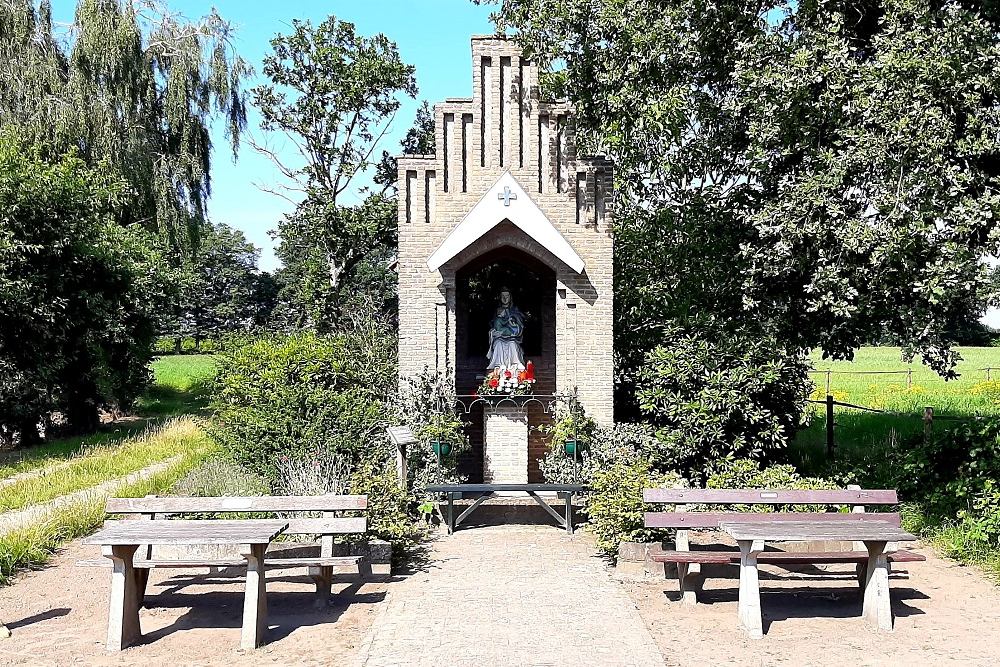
432	35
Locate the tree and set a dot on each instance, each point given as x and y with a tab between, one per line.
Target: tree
333	93
419	140
220	289
79	293
846	154
132	87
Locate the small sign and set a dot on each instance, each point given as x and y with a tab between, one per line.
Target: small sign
401	436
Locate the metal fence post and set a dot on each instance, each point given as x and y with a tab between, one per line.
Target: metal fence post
830	444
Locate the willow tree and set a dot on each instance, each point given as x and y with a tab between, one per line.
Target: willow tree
133	86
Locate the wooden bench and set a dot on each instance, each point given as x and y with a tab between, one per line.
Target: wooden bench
688	561
487	491
325	527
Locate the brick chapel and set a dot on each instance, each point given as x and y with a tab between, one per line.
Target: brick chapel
506	203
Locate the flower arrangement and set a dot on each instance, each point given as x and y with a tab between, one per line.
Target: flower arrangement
509	381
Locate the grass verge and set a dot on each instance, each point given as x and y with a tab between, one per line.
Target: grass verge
953	540
180	387
33	545
102	464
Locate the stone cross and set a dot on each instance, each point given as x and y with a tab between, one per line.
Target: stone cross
506	195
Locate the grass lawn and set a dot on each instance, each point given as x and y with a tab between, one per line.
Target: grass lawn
71	464
176	437
32	545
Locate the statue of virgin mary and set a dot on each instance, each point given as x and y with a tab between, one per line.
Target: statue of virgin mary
506	335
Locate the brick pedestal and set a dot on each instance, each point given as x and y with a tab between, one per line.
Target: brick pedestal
505	445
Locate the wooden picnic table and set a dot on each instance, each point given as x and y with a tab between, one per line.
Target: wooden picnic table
879	538
451	491
119	541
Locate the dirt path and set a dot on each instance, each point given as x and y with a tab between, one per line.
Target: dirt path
945	615
58	616
506	595
510	595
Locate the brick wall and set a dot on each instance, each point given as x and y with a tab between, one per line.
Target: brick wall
505	454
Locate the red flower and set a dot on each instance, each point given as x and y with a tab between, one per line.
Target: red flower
508	374
494	382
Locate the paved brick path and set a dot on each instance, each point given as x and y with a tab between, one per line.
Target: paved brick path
510	595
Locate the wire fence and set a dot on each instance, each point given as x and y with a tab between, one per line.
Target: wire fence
988	370
928	417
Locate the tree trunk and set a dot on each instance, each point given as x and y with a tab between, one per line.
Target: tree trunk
336	272
29	433
81	407
82	416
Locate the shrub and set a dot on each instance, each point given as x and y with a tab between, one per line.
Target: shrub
615	508
167	345
607	446
290	396
748	474
163	346
318	473
219	477
571	423
718	395
982	520
426	403
388	503
79	292
949	471
619	462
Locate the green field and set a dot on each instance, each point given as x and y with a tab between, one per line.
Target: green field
868	438
179	387
973	392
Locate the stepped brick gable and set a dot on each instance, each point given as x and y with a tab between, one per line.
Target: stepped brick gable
506	186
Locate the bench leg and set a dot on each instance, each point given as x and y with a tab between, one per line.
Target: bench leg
123	610
569	513
689	582
323	576
877	609
749	605
255	599
451	513
689	579
141	579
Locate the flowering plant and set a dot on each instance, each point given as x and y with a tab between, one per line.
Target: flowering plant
509	381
